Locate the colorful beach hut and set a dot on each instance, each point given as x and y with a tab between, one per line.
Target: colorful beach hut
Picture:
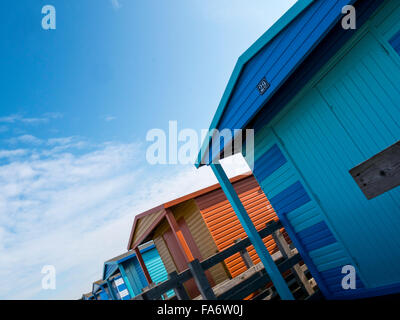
200	224
321	90
132	271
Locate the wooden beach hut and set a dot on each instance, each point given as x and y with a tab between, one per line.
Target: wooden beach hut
321	90
126	276
200	224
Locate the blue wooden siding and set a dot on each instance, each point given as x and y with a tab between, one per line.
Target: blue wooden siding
278	60
327	48
135	275
300	214
351	114
363	97
109	270
103	295
395	42
156	268
121	288
310	64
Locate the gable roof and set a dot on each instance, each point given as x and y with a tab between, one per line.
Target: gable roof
158	213
261	42
97	285
111	266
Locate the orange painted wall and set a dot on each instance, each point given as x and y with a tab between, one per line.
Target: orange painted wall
225	227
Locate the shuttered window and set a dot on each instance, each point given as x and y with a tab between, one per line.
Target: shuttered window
395	42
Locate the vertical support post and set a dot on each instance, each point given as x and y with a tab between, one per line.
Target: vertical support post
201	280
126	280
179	289
187	253
296	270
251	231
143	266
245	256
111	290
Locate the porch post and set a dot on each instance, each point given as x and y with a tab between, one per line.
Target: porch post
187	253
143	265
251	231
111	290
126	280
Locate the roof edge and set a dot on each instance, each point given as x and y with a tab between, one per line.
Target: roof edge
175	202
261	42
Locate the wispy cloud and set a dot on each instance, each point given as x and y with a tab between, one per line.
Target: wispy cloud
20	118
75	210
116	4
12	153
25	139
109	118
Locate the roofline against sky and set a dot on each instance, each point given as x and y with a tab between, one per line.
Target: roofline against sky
172	203
261	42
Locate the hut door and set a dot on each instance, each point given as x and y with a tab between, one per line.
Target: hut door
363	93
351	114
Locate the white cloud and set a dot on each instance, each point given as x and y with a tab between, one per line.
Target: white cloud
25	139
20	118
12	153
75	211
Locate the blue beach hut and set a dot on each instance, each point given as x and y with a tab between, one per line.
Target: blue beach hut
323	100
132	271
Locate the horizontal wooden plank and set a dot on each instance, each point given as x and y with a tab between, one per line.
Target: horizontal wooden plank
221	256
380	173
176	279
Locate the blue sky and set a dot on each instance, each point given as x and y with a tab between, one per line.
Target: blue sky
76	104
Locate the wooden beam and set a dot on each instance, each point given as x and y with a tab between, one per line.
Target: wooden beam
187	253
201	280
296	270
251	231
245	256
179	289
126	280
143	265
380	173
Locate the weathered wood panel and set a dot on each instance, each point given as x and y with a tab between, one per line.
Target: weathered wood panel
380	173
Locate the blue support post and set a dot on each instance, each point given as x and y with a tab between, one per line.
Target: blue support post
126	280
251	231
111	290
103	289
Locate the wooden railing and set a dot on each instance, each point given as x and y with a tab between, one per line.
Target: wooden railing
254	282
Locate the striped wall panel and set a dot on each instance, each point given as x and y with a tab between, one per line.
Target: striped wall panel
156	268
301	216
135	275
224	225
164	254
204	240
122	289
